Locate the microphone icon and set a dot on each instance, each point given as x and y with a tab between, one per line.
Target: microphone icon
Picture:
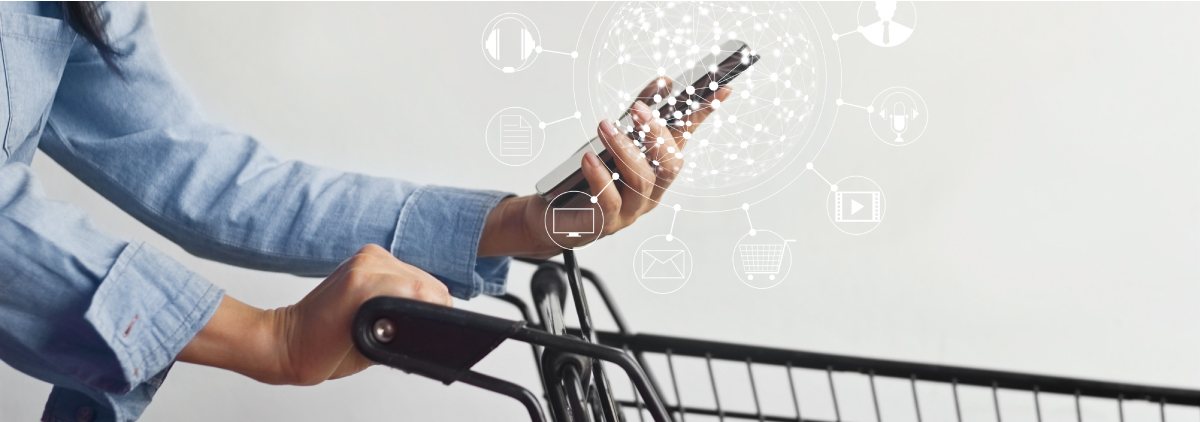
899	121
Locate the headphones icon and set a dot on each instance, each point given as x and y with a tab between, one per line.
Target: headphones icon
527	43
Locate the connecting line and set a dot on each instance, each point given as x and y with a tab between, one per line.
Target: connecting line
746	208
573	54
814	170
836	36
596	197
869	109
671	232
543	125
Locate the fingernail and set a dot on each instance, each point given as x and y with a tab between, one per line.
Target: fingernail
592	159
608	128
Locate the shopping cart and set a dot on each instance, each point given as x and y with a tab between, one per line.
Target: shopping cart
762	258
708	380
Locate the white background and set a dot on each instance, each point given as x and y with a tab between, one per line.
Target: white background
1047	221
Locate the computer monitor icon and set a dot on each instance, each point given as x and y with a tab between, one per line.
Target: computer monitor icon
574	221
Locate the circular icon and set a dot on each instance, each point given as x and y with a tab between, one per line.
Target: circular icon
573	221
894	21
898	116
515	136
855	205
662	264
762	259
510	42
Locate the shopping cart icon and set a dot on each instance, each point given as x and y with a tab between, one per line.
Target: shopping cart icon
760	258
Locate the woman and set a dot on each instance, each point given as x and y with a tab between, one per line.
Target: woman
104	319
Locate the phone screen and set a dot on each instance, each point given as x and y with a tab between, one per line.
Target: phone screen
568	176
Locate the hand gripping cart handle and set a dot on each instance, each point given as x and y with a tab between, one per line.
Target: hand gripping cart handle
443	343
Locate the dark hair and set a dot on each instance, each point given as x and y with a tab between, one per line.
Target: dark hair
85	18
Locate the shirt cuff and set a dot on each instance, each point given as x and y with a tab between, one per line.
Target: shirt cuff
147	309
439	232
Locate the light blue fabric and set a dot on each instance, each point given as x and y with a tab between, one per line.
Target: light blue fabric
103	318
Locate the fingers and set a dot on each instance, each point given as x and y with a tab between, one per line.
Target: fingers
659	86
635	172
607	197
701	112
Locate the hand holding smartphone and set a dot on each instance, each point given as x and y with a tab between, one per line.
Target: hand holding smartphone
709	74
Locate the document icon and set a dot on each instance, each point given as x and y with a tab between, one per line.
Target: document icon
516	136
662	264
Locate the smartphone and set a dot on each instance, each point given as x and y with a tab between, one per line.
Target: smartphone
735	56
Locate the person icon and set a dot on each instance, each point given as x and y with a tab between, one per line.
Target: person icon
886	32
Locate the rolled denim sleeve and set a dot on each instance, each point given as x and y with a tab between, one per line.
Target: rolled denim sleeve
439	231
85	311
142	141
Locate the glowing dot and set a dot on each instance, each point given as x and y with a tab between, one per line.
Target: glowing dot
833	188
746	207
658	98
662	71
671	101
671	150
839	102
574	54
835	37
538	49
774	77
595	199
745	94
808	166
776	102
716	104
690	90
687	135
655	162
745	144
753	233
679	155
541	125
732	156
661	83
616	176
758	127
870	109
677	207
732	119
578	114
661	140
670	238
713	86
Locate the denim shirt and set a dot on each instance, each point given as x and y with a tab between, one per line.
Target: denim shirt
101	317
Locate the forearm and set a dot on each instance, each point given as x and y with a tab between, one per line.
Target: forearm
238	338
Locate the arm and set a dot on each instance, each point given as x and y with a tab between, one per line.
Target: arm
143	142
85	311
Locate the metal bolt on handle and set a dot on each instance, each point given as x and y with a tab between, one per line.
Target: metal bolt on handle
384	330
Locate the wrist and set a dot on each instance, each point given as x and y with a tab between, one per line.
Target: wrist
242	339
508	230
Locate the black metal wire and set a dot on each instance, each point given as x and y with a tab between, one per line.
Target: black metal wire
795	397
837	413
875	397
916	400
996	401
713	380
675	384
1037	403
957	407
754	389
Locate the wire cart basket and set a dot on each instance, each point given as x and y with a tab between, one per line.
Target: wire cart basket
761	258
589	375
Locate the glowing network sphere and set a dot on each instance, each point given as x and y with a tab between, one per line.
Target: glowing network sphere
760	127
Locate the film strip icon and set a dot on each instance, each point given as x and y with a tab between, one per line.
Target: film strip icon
842	200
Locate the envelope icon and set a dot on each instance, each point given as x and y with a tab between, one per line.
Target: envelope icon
662	264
